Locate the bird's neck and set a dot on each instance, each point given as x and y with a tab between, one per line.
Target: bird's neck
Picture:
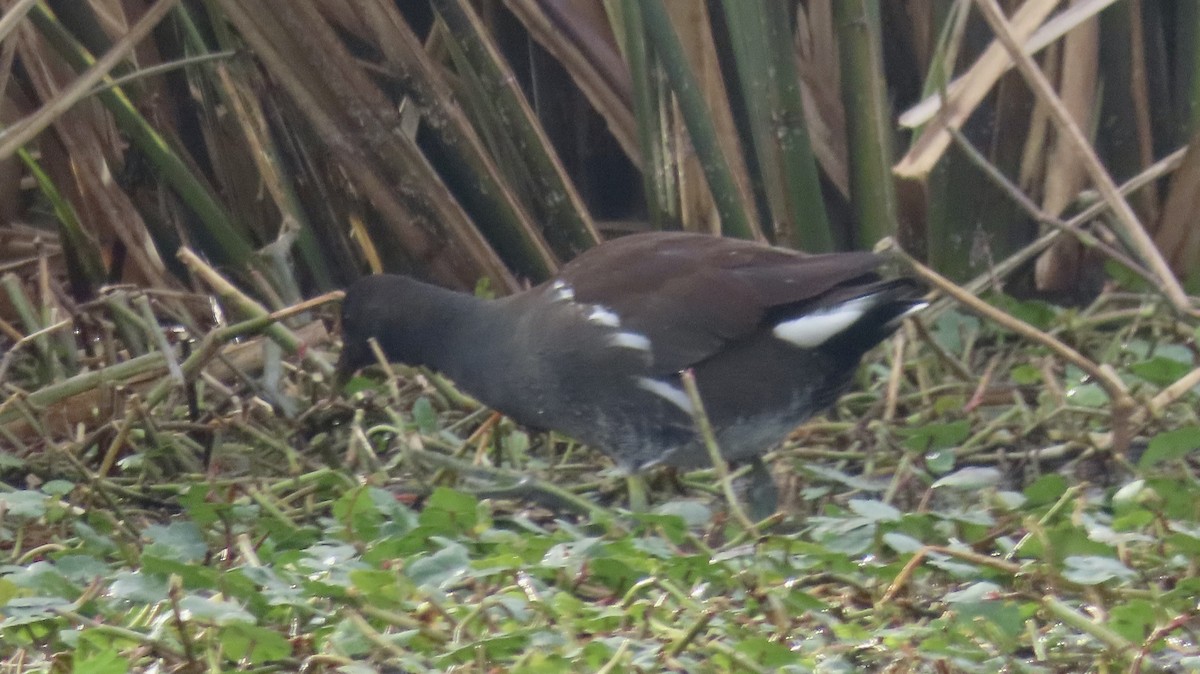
451	332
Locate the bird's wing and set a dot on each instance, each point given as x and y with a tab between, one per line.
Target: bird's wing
690	294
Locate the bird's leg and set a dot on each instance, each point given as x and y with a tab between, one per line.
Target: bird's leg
762	496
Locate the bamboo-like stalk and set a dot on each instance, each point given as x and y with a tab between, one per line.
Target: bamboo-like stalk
1187	69
230	245
764	56
79	248
51	368
864	97
580	45
1130	226
661	194
97	70
953	104
234	91
550	193
129	326
735	220
941	203
419	214
457	148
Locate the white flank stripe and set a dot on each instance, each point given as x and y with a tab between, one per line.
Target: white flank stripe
603	316
630	340
814	329
667	392
562	291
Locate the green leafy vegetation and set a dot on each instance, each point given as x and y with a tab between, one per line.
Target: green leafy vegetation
996	536
1012	485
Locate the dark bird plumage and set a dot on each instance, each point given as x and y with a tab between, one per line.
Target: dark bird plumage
773	336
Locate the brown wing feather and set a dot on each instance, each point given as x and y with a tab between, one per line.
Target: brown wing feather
691	294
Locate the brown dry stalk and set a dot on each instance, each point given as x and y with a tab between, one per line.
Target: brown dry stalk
24	131
1123	405
962	96
1070	132
244	306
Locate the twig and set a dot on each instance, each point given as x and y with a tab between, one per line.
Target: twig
243	305
520	486
1070	132
1016	260
1073	228
893	383
1064	613
267	322
1125	411
1173	392
704	426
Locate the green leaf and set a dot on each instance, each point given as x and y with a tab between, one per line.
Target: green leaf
43	578
81	568
492	648
875	511
10	462
951	327
356	510
450	512
1087	395
902	543
767	653
107	661
194	576
974	593
1037	313
372	581
1026	375
424	416
692	512
971	478
937	436
349	640
1133	620
1160	370
359	383
32	610
441	567
139	588
941	461
271	587
23	504
1000	615
209	609
253	644
1094	570
1170	445
58	488
1046	489
178	541
195	501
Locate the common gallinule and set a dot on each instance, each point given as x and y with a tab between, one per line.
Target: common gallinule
772	336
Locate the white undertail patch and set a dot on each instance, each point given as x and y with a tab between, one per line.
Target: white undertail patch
662	389
812	330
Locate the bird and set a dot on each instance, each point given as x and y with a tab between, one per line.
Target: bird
772	336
